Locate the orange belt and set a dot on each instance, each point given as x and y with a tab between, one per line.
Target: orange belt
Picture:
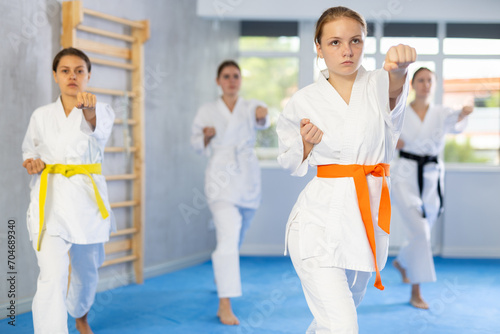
358	173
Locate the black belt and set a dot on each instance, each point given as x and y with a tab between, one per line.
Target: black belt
423	160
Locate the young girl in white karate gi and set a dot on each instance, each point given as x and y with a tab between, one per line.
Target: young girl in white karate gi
69	210
225	130
347	124
418	179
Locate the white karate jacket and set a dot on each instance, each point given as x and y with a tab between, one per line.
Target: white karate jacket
71	211
233	172
364	132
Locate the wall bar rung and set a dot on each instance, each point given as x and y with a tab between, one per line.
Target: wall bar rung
114	149
107	91
118	246
123	204
103	49
105	33
113	18
128	121
119	260
112	63
120	177
125	231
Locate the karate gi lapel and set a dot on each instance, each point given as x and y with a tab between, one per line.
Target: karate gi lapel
70	139
234	122
60	130
354	121
415	127
350	114
331	113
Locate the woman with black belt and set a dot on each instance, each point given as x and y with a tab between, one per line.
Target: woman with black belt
418	177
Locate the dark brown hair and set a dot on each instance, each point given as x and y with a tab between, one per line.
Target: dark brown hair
334	13
225	64
70	52
419	70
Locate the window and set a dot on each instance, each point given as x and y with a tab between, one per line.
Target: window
474	82
421	36
269	44
471	75
423	45
471	46
270	67
272	80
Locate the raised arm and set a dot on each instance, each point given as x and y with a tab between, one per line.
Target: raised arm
456	120
466	111
262	120
261	114
397	60
87	102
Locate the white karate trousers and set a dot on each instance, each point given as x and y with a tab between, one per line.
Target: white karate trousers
332	293
415	256
53	301
231	223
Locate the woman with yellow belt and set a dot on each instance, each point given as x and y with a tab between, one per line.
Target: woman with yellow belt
69	209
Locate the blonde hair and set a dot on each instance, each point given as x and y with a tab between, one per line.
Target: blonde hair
334	13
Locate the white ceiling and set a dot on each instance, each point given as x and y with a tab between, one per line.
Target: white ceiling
373	10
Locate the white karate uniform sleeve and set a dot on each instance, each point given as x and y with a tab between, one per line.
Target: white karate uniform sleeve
197	137
392	117
30	147
291	147
451	123
105	117
31	141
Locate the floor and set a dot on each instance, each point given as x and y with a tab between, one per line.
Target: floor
465	299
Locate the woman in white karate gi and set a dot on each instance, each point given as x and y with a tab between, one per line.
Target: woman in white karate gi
347	124
69	209
225	130
418	179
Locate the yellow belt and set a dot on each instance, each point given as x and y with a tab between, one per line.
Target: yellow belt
68	171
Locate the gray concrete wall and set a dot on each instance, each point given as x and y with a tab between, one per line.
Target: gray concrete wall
30	30
181	59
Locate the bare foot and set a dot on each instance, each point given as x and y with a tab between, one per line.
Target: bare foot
402	271
418	302
416	298
83	326
225	313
